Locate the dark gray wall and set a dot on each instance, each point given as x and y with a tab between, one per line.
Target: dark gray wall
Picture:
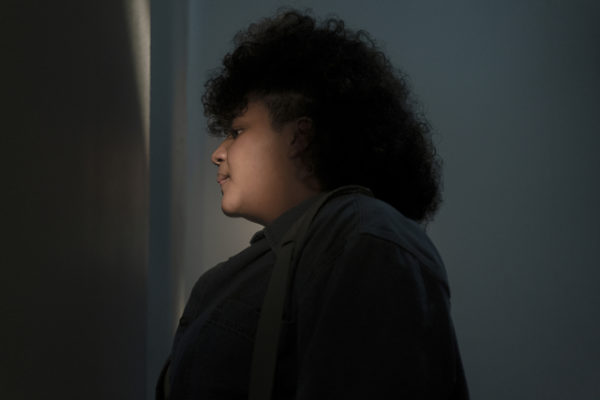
168	127
512	90
74	199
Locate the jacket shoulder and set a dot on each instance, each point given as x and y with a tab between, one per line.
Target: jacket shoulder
350	216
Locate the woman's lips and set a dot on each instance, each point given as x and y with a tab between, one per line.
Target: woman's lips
222	178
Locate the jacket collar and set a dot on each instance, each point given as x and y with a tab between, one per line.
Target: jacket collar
276	229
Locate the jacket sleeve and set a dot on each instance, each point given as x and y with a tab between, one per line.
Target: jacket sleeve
376	325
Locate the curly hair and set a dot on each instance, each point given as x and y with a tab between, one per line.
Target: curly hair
366	130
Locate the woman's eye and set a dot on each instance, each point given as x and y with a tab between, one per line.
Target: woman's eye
234	133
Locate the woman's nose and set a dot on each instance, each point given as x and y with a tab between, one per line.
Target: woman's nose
220	154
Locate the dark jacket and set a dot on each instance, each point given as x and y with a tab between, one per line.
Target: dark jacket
368	314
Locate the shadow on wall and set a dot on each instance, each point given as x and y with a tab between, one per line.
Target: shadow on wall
74	286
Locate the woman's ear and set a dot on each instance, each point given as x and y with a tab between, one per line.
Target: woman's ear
303	134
